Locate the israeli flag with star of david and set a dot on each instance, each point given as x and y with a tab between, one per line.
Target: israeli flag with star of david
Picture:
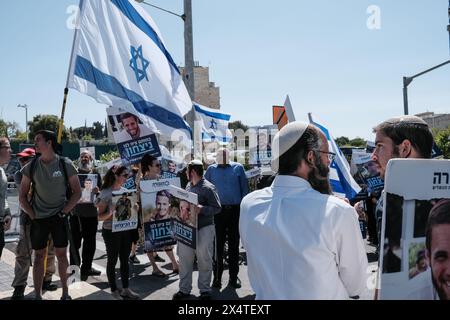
120	59
342	182
214	124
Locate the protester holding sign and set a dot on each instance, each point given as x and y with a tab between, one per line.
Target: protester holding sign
208	207
84	221
118	244
151	170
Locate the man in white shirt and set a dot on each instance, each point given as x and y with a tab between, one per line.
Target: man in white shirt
131	128
302	242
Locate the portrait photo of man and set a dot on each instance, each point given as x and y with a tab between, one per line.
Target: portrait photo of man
132	129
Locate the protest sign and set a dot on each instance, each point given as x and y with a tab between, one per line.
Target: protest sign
158	209
415	190
125	211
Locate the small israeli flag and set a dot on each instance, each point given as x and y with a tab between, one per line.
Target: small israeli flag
214	124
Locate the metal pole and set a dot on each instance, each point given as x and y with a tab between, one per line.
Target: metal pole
408	80
26	122
189	49
405	97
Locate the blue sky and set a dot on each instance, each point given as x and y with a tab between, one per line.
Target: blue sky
319	52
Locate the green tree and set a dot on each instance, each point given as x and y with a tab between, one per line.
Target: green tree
46	122
9	129
97	130
237	125
110	155
442	140
358	142
342	141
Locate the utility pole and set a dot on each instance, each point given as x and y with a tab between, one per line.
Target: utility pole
189	49
26	117
407	81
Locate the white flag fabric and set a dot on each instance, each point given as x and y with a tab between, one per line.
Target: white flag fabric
119	58
214	124
342	182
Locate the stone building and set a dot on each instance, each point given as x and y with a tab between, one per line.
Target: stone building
437	121
206	92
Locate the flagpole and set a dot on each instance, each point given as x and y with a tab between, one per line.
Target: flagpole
66	89
310	117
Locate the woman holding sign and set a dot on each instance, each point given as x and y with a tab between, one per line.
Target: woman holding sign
118	244
151	170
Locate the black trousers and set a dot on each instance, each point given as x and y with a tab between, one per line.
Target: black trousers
118	246
2	239
83	228
227	228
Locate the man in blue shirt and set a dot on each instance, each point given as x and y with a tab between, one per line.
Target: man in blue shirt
231	183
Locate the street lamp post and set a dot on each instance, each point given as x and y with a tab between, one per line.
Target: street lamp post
407	81
26	117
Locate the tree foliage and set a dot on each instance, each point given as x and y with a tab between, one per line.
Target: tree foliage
237	125
442	140
342	141
46	122
9	129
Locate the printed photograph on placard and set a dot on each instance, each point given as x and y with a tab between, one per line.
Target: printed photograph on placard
159	208
87	182
132	137
125	211
416	231
185	222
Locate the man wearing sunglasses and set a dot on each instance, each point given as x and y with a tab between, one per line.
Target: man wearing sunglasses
301	241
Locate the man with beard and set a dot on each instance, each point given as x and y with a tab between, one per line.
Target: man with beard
302	242
131	128
400	137
84	222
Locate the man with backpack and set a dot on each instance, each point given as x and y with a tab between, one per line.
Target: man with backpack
23	249
51	178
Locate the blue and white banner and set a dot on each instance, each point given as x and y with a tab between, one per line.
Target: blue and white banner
214	124
120	59
342	182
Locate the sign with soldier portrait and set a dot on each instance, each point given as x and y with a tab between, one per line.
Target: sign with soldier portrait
415	237
125	210
159	207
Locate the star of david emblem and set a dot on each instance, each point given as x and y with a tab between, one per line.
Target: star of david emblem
136	56
213	125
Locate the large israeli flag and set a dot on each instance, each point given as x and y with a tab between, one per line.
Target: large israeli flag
120	59
342	182
214	124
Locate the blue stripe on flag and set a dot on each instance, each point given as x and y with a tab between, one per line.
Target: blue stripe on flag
207	136
130	12
324	130
106	83
344	185
336	186
214	115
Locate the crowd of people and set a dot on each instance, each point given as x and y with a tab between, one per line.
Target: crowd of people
301	241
